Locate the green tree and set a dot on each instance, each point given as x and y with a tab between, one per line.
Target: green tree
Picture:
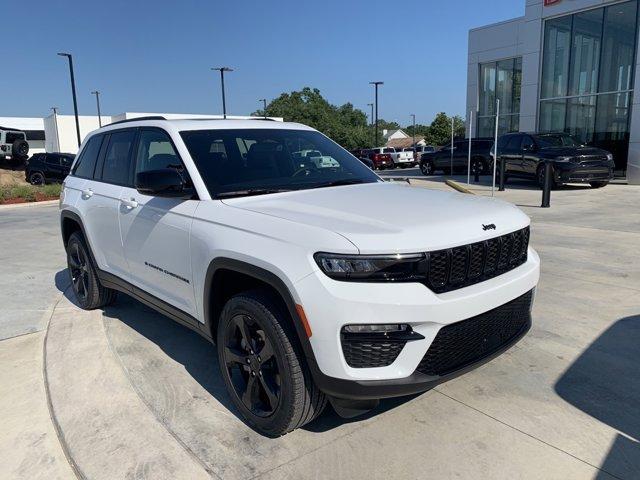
439	132
344	124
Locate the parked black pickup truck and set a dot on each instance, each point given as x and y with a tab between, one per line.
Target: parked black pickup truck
442	159
525	154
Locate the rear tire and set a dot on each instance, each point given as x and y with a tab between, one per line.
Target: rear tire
37	178
263	366
426	167
90	294
598	184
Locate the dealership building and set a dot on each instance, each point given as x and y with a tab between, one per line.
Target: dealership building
566	65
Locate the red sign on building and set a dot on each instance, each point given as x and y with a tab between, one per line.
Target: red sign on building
551	2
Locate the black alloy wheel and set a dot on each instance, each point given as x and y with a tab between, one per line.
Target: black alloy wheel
477	165
79	270
252	365
89	292
36	178
540	178
426	167
263	366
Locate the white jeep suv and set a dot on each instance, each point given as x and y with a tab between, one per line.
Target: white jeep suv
315	280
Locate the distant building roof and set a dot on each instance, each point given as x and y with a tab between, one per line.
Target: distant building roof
405	142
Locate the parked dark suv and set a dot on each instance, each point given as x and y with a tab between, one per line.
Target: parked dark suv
525	154
48	167
481	159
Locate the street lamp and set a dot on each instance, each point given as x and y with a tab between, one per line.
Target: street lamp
224	101
375	84
264	110
97	94
73	91
413	115
371	117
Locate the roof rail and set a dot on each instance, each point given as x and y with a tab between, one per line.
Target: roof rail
137	119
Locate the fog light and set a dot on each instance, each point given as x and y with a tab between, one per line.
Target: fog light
376	328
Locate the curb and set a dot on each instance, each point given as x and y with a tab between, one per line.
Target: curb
28	204
458	187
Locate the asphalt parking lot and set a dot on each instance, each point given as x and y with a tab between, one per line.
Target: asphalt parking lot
126	393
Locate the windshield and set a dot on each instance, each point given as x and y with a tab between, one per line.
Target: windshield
558	140
253	161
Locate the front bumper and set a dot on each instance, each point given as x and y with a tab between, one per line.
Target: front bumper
330	305
583	173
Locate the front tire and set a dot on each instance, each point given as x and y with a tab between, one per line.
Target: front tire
540	178
89	293
263	366
598	184
478	165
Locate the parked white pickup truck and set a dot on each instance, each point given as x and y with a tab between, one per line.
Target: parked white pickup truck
400	158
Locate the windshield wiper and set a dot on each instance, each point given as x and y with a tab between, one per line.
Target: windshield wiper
337	183
250	192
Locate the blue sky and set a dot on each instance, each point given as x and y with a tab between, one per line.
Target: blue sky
154	56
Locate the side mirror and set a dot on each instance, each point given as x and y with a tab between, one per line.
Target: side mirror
165	182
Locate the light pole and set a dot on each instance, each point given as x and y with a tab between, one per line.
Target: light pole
55	127
264	110
371	117
375	84
224	100
73	91
413	115
97	94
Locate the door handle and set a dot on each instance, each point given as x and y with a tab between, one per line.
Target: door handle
131	203
88	193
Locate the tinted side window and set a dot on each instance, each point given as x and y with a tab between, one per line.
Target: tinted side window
514	143
116	167
527	142
155	151
53	160
87	161
502	142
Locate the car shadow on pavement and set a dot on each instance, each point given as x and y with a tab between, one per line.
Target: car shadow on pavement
604	382
200	359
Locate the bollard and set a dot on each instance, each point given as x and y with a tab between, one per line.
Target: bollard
546	188
476	176
502	174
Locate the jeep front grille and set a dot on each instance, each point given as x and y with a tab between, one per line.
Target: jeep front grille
459	267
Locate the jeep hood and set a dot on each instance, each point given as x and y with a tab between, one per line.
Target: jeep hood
392	218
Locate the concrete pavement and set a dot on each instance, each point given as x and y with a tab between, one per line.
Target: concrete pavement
135	395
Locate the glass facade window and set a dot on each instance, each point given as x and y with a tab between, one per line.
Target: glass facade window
587	76
502	81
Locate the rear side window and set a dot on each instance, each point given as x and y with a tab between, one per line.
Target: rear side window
86	163
53	160
116	167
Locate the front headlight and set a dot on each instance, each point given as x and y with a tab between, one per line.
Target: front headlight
563	159
373	268
610	157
